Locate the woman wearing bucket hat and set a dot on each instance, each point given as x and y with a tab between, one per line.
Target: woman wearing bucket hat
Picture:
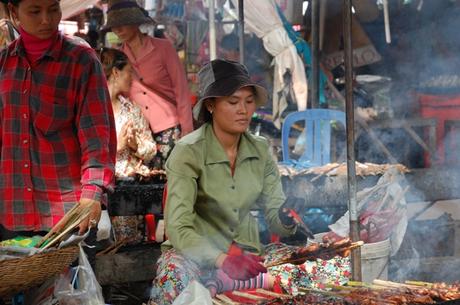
216	176
160	86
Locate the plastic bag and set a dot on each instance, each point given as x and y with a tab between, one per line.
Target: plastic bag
104	226
194	294
79	286
382	212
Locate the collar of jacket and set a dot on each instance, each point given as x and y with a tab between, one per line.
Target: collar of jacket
215	152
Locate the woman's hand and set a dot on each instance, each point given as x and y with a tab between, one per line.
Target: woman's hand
132	138
127	138
94	216
4	32
243	267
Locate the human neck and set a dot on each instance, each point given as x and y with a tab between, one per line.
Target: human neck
135	43
35	47
114	94
229	142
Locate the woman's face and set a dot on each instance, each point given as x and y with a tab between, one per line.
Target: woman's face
39	18
124	79
126	33
232	114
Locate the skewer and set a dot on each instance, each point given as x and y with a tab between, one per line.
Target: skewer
58	226
68	229
217	302
314	254
226	299
419	283
272	294
325	172
328	293
248	295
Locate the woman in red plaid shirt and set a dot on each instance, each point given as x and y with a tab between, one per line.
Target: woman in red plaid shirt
57	134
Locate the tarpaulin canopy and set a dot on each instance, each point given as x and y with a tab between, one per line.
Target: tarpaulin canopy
73	7
262	19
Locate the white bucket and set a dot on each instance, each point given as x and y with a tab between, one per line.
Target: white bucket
374	260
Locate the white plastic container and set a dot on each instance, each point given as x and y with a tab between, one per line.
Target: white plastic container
375	258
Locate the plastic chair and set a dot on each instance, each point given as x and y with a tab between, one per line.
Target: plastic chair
317	150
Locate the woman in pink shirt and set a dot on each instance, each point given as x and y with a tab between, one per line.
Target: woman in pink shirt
159	86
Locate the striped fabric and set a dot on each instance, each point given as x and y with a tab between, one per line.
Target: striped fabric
57	134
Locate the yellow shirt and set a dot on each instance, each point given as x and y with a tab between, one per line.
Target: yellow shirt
207	208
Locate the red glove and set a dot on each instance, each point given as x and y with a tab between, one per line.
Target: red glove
243	267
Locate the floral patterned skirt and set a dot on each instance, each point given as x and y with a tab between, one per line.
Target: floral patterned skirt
165	140
175	272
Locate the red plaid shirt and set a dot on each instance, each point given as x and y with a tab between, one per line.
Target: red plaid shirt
57	134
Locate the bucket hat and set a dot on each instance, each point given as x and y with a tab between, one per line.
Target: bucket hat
222	78
125	12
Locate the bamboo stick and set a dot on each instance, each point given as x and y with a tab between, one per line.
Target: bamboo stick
84	214
58	226
272	294
226	299
323	292
419	283
325	172
393	284
249	296
217	302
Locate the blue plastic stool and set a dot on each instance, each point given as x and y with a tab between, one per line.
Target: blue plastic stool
318	136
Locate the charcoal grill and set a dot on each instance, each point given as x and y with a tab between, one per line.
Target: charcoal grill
133	197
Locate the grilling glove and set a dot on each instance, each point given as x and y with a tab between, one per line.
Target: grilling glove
296	204
243	267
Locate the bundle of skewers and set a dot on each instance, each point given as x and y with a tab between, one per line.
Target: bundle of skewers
357	293
65	227
392	293
340	169
315	250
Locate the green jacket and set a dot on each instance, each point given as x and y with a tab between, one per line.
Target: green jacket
207	208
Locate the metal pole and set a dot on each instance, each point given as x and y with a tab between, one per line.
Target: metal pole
322	22
315	53
241	29
351	170
212	31
386	18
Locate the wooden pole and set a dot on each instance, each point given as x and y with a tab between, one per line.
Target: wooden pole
350	122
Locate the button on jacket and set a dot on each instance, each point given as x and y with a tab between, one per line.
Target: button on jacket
57	134
207	208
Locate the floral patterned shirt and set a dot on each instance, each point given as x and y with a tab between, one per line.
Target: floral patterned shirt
129	162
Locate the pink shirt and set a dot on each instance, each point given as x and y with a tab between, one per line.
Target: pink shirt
159	67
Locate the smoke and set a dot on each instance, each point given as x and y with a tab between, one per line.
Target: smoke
401	270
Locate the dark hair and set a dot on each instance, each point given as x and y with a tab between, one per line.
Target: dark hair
207	116
112	58
14	2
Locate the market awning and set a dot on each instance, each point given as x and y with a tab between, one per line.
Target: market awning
74	7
